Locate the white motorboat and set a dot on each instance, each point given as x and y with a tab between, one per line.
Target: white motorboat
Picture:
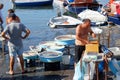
64	22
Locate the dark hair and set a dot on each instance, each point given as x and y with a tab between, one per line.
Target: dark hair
86	20
1	5
13	16
11	11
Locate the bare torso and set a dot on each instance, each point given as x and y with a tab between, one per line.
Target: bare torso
9	20
83	35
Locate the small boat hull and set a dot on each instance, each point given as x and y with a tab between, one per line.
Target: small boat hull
62	26
64	22
79	7
36	3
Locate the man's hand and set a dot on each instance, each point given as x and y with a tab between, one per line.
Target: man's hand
86	41
93	35
23	37
4	36
26	35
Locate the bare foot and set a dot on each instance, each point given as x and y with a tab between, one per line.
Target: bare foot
25	71
10	72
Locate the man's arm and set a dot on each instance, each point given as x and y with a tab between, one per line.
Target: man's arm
1	20
78	35
7	20
26	34
92	33
4	35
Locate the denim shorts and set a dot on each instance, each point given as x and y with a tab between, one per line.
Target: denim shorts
15	50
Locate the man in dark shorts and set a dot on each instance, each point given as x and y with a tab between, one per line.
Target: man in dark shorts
82	32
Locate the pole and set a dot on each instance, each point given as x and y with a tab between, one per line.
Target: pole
13	4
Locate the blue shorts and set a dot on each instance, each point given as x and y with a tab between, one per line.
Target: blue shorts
14	50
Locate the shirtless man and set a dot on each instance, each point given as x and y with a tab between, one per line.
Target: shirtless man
82	32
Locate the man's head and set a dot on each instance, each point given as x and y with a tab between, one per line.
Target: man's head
10	11
1	5
12	16
87	22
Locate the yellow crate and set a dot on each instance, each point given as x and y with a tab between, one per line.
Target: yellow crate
92	47
94	42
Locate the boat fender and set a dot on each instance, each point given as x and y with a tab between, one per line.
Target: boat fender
52	25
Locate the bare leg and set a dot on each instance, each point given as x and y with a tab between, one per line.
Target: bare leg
74	65
11	65
21	62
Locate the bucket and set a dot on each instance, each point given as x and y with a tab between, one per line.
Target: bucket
118	75
66	59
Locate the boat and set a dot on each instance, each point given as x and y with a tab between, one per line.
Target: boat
79	5
114	19
96	17
64	22
114	14
103	2
25	3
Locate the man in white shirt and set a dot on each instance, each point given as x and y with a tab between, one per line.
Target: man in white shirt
1	18
58	5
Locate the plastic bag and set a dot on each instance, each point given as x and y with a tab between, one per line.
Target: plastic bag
79	71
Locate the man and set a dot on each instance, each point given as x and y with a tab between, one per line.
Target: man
14	37
1	18
82	32
58	6
8	20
